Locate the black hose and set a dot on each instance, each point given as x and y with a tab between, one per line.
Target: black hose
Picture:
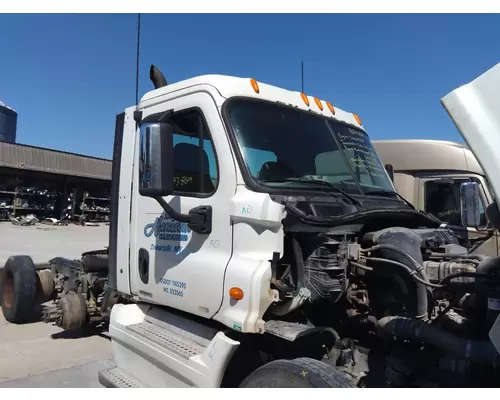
489	265
299	266
408	249
419	331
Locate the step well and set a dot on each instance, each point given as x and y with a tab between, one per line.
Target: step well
117	378
167	339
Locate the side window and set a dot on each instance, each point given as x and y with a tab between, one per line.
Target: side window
443	201
195	164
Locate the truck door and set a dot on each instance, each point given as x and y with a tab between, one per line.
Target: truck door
170	264
440	196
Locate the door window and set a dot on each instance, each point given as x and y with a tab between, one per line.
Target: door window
195	162
442	199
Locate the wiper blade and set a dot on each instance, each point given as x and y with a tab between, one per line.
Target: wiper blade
325	183
391	193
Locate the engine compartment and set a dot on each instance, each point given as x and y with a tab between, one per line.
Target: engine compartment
406	300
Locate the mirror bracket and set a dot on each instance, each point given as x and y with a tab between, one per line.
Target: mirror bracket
199	219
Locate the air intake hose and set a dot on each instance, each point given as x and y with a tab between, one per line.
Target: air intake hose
419	331
403	245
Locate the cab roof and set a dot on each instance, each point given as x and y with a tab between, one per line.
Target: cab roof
230	86
427	155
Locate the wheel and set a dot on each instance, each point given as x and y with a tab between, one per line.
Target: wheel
298	373
73	312
19	289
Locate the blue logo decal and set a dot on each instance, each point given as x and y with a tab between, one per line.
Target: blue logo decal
167	229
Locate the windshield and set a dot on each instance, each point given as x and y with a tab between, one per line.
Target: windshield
280	144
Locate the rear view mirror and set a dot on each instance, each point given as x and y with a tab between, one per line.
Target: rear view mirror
156	160
470	204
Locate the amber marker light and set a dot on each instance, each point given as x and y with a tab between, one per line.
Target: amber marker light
305	99
236	293
358	120
255	85
318	103
330	107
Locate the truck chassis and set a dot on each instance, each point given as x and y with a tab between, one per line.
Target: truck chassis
77	290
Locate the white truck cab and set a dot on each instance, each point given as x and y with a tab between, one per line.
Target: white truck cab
258	241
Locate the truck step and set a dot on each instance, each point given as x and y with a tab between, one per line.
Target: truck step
169	340
117	378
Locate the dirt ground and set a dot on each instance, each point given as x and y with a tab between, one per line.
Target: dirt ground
39	354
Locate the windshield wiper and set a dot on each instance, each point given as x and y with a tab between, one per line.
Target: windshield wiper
390	193
353	200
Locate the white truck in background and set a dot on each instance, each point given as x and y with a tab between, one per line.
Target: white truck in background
428	173
256	240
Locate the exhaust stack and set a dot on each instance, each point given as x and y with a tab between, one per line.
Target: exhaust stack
157	77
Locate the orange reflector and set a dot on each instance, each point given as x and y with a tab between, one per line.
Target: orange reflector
304	97
357	119
255	85
236	293
318	103
330	107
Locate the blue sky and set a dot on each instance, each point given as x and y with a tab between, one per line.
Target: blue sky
69	75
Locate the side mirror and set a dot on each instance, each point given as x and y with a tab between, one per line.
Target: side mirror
470	204
390	170
156	166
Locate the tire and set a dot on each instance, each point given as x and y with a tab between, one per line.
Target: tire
298	373
19	289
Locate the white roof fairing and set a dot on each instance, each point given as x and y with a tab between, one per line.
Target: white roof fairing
230	86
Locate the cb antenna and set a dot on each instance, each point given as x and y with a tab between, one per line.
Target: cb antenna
137	60
302	76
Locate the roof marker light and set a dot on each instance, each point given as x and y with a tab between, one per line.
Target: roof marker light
255	85
318	103
358	120
305	99
330	107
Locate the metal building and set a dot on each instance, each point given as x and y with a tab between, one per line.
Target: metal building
49	184
8	123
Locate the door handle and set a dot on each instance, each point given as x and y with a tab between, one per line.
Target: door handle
144	265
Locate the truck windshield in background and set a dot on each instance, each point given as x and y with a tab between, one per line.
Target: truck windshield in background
280	144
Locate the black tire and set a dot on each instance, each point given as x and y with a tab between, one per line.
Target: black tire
298	373
19	289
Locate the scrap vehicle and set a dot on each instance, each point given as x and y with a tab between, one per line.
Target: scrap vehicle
256	240
74	290
428	173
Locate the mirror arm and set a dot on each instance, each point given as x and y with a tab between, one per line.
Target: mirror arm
199	219
170	211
